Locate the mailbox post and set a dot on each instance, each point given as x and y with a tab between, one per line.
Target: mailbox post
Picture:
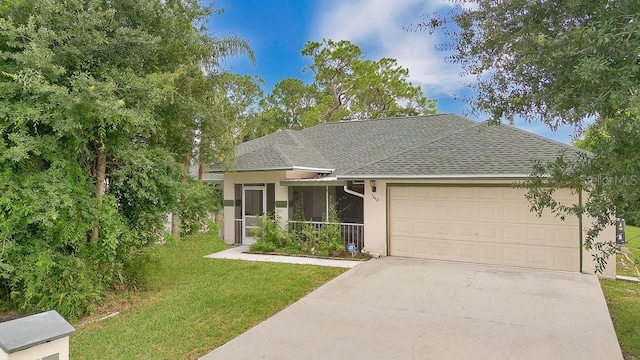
43	336
620	238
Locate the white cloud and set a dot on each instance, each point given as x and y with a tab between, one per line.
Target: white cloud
377	27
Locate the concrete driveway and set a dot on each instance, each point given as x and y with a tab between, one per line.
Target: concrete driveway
396	308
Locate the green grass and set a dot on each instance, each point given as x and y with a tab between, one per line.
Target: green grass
632	236
625	267
623	299
193	305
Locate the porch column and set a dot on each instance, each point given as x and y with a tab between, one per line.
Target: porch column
229	199
282	204
326	203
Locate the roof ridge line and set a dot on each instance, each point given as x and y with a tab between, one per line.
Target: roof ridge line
280	153
309	145
430	142
293	135
515	128
346	121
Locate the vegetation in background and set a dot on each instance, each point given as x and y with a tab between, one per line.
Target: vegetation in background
191	305
345	87
101	107
561	64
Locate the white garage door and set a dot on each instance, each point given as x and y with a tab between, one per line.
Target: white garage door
491	225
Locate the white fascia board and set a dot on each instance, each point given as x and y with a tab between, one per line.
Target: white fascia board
433	177
292	168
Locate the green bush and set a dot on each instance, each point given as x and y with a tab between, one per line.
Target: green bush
198	200
323	240
50	280
269	236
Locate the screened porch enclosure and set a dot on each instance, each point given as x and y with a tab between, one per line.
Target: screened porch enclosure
317	205
306	205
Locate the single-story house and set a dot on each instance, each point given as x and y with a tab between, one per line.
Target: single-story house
434	187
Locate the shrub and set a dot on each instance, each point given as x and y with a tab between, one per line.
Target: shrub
198	200
50	280
269	236
323	240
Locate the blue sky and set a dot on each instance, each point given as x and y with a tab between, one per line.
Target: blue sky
278	30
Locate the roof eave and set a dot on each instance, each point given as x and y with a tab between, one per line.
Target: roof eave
436	177
284	168
328	181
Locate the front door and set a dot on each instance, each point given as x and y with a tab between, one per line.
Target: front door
254	204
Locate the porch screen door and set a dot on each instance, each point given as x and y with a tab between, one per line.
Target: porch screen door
254	204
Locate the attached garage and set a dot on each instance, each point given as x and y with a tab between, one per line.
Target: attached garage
480	224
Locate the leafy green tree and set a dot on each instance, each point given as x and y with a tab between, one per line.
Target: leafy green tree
350	87
97	108
560	63
235	99
288	102
613	140
345	87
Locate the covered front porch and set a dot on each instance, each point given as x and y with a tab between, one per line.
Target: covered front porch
306	203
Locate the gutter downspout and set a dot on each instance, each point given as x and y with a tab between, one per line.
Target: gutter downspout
326	196
354	193
580	225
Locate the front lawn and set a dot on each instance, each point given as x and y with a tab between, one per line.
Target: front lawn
623	300
194	305
632	236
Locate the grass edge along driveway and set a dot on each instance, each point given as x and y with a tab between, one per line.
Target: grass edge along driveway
193	305
623	300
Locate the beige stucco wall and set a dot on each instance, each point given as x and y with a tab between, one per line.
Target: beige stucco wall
59	346
257	177
375	220
588	264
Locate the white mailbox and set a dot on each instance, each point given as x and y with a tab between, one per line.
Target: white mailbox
43	336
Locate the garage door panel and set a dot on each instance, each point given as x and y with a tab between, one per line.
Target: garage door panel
489	193
403	209
484	225
466	251
403	246
401	192
513	255
562	237
422	229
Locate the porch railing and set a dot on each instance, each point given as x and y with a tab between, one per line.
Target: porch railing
238	232
351	232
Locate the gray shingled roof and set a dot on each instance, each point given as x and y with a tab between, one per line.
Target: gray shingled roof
434	145
479	150
342	146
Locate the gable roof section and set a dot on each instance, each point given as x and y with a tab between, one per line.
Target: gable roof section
351	144
282	150
422	146
343	146
481	150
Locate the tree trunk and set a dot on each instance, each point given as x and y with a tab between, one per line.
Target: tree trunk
175	216
101	171
200	171
175	225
